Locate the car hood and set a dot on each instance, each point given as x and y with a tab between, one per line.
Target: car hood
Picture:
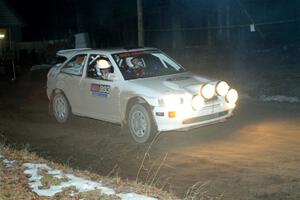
171	84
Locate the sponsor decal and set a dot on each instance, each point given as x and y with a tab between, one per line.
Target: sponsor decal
100	89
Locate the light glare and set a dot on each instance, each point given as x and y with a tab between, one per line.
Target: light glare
172	101
197	102
222	88
232	96
208	91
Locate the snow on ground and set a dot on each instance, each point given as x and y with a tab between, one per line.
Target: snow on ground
7	163
133	196
80	184
279	98
68	180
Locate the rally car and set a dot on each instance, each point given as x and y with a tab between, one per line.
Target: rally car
145	90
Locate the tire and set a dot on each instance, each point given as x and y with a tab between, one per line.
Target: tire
141	124
60	107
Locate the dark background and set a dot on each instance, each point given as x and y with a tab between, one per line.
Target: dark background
188	22
212	38
250	156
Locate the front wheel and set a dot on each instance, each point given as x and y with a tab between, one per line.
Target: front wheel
61	108
141	124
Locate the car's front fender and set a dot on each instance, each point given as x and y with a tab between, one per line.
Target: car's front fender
128	98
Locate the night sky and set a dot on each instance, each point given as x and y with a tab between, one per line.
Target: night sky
44	19
116	20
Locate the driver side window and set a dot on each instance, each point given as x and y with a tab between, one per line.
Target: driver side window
93	71
75	65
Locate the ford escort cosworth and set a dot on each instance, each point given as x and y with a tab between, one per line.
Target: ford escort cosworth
143	89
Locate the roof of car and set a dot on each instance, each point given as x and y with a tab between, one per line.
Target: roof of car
70	52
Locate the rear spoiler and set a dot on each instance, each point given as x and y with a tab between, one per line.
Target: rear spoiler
69	52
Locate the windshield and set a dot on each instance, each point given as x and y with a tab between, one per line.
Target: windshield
144	64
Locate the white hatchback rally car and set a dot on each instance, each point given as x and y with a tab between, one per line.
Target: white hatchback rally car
142	88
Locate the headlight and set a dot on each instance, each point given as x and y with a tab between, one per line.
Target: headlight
207	91
232	96
197	102
171	101
222	88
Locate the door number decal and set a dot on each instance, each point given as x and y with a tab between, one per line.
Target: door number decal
100	89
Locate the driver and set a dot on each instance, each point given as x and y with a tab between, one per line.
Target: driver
136	62
137	68
103	67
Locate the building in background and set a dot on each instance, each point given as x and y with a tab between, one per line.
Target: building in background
10	35
10	29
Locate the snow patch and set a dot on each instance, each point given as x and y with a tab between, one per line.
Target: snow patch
7	163
133	196
81	185
279	98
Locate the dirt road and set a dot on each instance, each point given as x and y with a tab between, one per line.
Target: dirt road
254	155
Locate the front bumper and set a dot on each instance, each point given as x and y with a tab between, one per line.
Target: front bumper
186	118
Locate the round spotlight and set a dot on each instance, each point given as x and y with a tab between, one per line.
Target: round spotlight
232	96
222	88
197	102
208	91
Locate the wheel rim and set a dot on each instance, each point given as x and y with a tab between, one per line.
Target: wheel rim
60	108
139	124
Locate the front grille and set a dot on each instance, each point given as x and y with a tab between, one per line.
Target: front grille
204	118
212	100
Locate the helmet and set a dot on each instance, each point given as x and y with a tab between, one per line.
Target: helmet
134	62
128	62
102	64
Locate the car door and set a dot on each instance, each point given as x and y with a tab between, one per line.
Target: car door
99	97
71	75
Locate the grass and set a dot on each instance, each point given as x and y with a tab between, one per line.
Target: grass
14	183
198	191
48	180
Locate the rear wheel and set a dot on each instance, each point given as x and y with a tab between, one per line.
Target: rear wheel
61	108
141	124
